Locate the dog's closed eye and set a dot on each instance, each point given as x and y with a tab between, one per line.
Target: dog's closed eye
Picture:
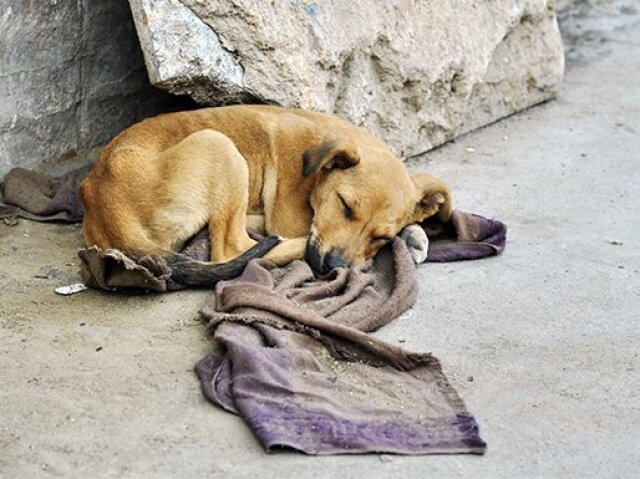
348	212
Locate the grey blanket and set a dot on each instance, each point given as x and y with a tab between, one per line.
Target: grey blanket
293	356
294	360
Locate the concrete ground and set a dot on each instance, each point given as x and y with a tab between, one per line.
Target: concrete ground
542	342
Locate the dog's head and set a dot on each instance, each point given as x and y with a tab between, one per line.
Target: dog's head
363	196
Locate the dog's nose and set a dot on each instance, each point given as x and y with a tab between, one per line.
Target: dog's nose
332	261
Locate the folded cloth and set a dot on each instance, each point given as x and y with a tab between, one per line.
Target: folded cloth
294	360
293	355
466	236
38	197
113	270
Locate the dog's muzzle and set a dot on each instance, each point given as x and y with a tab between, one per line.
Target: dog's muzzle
322	263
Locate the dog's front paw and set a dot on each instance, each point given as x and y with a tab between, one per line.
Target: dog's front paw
417	242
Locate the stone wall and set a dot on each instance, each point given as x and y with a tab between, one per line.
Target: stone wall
72	73
71	76
416	73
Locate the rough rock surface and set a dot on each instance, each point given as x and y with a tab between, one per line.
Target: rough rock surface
416	73
71	76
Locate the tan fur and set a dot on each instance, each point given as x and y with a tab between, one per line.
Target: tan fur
160	181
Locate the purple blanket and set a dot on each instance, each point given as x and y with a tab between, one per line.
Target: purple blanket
294	360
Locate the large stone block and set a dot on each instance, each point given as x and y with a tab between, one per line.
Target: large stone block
417	73
71	76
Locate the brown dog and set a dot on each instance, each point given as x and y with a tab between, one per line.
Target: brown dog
333	189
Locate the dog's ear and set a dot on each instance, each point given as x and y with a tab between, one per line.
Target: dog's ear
433	197
330	154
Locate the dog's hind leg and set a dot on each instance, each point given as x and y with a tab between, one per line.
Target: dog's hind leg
208	183
228	197
228	232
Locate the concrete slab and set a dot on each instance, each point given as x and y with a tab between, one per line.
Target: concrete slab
542	342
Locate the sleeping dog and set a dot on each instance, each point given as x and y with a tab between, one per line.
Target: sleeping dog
334	191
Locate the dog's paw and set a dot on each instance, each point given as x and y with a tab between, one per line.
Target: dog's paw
417	242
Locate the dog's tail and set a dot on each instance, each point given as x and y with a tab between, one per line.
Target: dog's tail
201	273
